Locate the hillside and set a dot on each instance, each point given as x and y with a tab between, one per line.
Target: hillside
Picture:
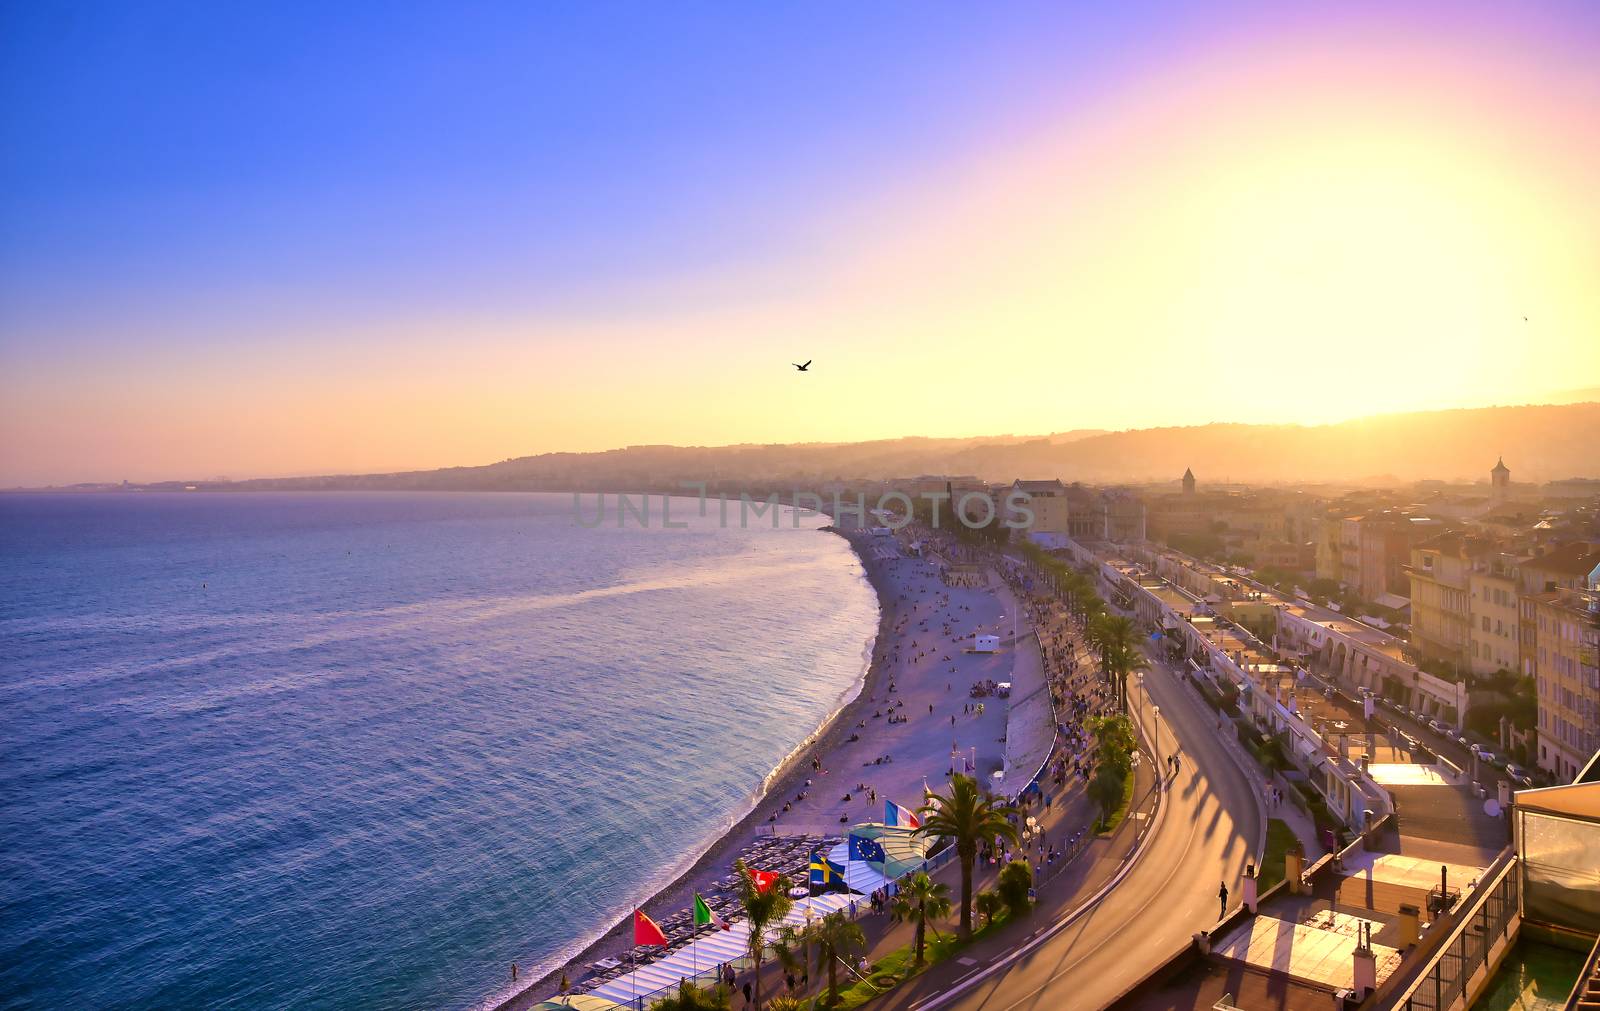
1539	443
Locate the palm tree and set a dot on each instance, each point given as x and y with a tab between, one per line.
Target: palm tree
1120	655
1077	588
966	816
839	937
692	998
762	908
919	899
792	945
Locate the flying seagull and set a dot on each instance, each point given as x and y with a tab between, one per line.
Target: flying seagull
804	367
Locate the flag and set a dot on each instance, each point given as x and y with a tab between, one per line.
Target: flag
822	872
763	879
645	930
862	848
703	914
901	817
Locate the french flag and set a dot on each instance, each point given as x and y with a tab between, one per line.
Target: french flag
900	817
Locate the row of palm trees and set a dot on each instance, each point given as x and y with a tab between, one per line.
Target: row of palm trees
1113	637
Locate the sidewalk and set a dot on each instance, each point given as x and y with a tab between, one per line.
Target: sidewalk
1289	812
1030	722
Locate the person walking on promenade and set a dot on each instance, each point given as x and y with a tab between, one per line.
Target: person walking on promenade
1222	894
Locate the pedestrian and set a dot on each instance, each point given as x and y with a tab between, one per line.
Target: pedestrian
747	997
1222	895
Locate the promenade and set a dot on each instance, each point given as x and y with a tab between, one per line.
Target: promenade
1210	825
916	720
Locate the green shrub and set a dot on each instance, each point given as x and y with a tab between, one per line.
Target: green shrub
1015	880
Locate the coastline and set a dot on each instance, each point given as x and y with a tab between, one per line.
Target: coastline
785	779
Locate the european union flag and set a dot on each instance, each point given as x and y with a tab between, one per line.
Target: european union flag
862	848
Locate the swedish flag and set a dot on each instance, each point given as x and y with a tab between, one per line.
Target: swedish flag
823	876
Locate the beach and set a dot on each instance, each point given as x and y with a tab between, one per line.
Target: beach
914	719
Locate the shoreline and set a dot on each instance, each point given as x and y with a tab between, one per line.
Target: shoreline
784	779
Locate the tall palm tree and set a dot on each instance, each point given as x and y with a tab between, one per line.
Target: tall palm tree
920	899
966	816
1120	655
1077	588
839	937
762	908
792	945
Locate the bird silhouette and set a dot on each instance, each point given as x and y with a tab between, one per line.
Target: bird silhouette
804	367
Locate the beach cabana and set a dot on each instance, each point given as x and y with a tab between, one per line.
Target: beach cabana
905	850
575	1002
986	644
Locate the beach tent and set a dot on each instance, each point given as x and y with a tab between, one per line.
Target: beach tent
575	1002
905	850
986	644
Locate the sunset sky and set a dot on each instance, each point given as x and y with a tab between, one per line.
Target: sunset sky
276	239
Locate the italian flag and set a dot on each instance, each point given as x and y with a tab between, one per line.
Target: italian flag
704	915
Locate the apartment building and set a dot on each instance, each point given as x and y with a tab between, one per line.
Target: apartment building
1048	501
1493	616
1441	598
1568	676
1557	615
1374	549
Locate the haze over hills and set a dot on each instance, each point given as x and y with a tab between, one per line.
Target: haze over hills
1539	443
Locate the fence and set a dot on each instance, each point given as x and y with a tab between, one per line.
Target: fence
708	976
1490	919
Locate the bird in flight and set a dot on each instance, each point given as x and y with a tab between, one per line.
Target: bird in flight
804	367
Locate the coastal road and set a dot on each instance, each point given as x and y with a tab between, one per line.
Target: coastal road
1210	825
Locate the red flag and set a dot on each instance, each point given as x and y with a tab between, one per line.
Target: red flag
764	879
645	930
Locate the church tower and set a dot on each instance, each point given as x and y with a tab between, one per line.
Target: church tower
1499	481
1188	481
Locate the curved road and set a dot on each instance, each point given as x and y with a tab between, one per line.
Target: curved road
1209	827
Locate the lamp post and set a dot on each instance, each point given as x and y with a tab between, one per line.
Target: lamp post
1141	696
1156	710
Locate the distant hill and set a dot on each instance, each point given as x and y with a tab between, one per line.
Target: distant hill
1539	443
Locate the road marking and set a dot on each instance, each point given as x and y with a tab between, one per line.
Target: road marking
961	985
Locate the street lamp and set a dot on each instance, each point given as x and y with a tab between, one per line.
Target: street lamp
1141	696
1157	711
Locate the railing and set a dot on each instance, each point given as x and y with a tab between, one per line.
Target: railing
708	976
1481	926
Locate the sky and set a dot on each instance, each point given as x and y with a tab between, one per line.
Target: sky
270	239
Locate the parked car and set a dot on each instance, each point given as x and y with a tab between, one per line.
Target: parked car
1486	756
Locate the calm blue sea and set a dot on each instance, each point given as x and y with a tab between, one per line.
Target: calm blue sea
364	750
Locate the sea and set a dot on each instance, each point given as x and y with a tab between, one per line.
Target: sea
365	750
